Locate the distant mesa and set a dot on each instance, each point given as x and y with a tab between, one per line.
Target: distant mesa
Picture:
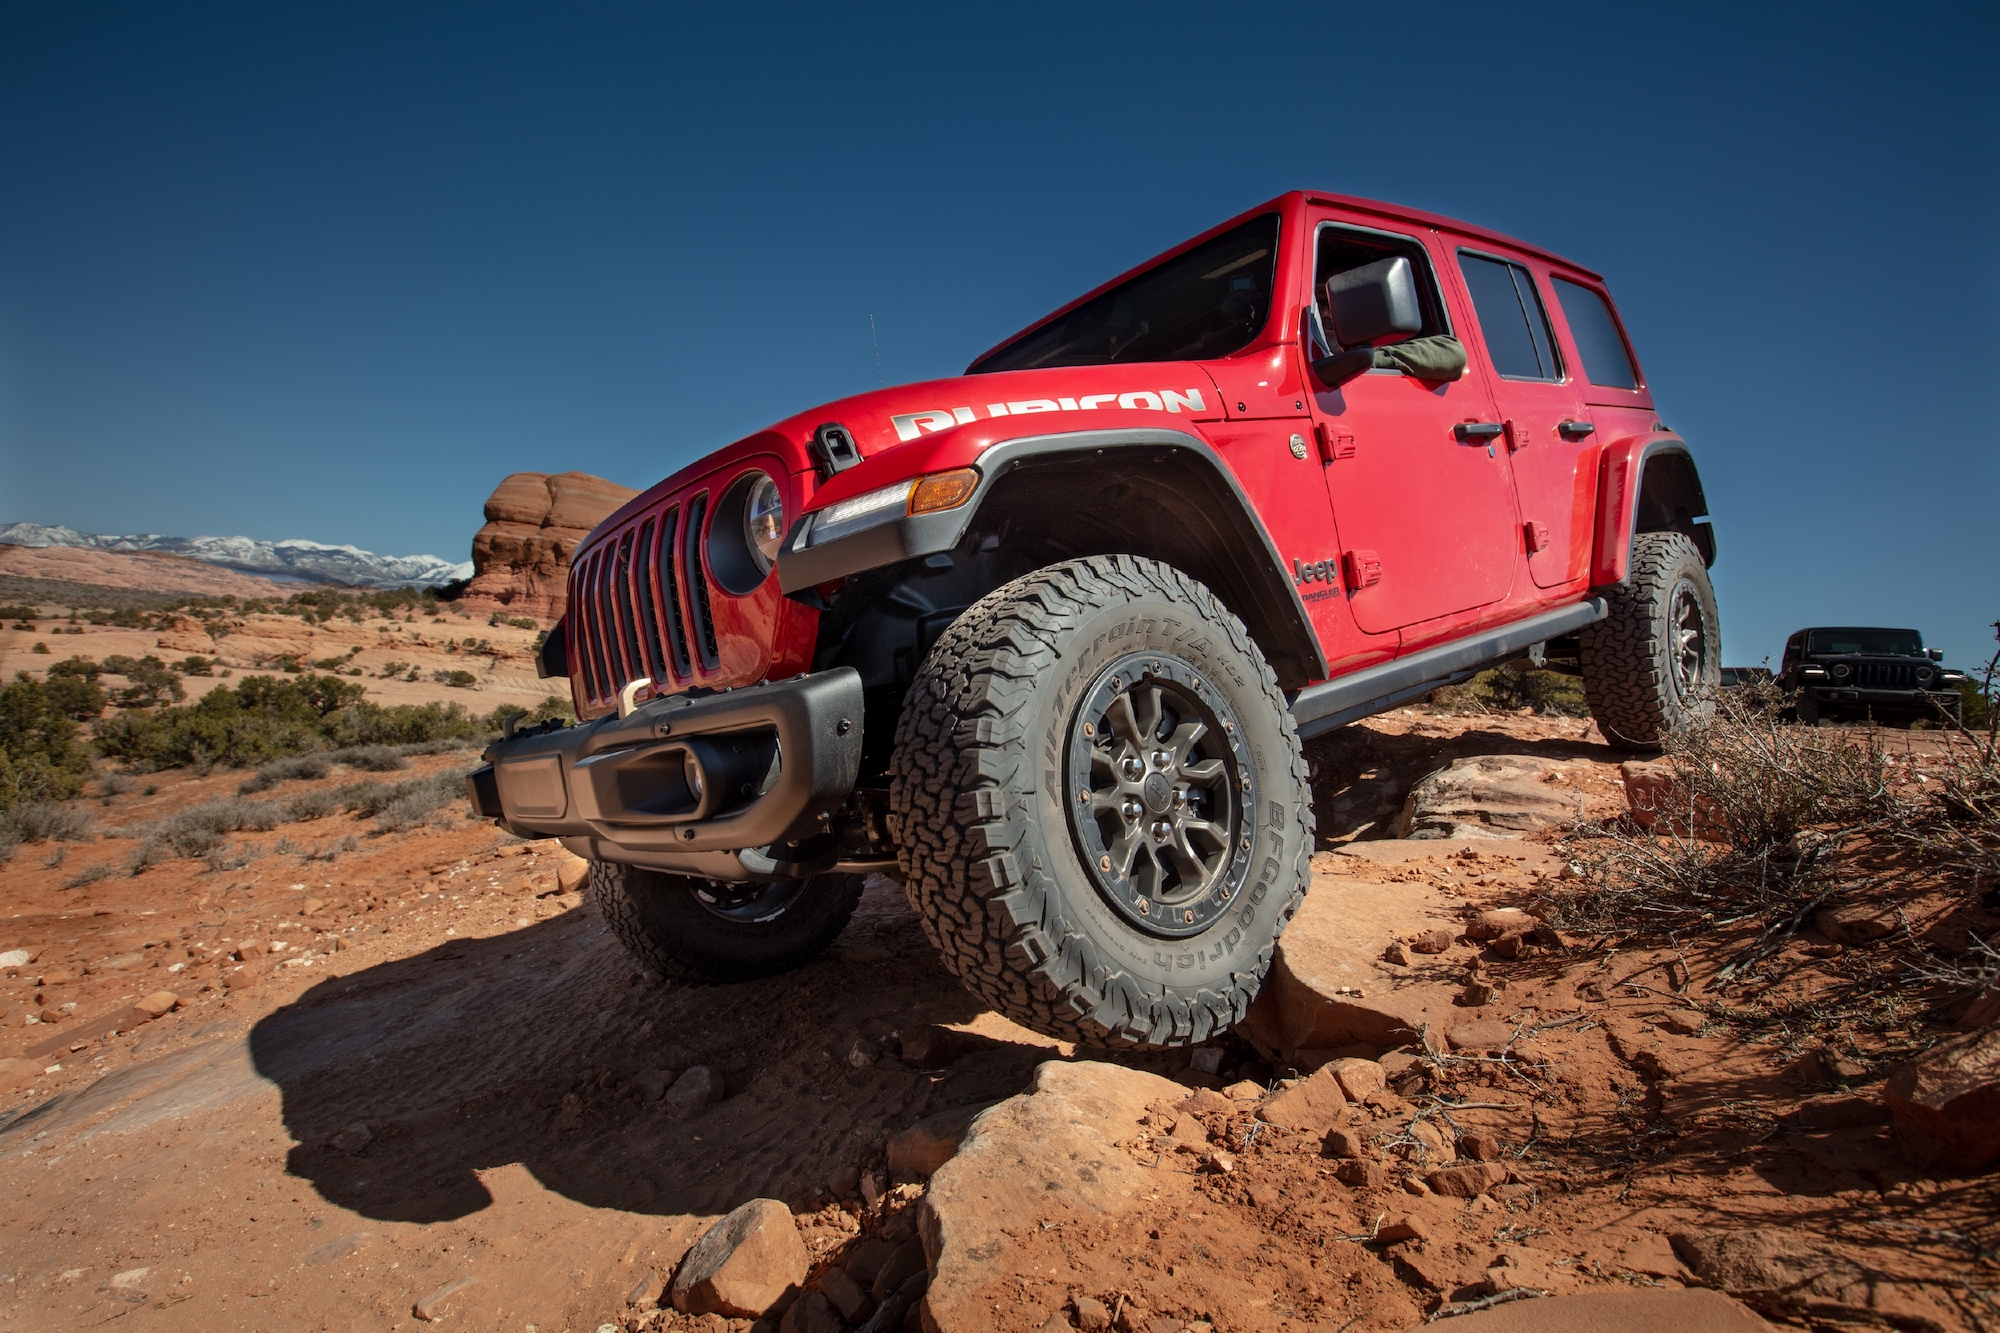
291	561
534	523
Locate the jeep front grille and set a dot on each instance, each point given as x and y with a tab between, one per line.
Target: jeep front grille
640	605
1883	676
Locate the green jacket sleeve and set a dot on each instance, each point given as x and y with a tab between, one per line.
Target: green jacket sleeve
1439	358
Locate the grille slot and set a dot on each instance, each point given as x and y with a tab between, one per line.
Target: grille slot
624	616
704	615
649	618
668	573
604	650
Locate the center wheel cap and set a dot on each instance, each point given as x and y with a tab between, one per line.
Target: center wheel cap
1152	737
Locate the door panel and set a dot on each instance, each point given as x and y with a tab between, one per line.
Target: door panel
1551	441
1427	521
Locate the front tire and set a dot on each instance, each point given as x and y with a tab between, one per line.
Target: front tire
1100	804
707	931
1654	663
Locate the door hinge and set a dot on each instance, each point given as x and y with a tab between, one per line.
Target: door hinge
1538	536
1517	435
1333	444
1362	569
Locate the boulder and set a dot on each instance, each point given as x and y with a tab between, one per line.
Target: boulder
1641	1310
1490	796
744	1264
1050	1152
1765	1259
1313	1105
534	523
1946	1106
1499	922
917	1152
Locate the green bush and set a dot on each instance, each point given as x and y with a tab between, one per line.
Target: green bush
458	680
152	682
79	668
18	613
1505	690
269	717
74	696
39	757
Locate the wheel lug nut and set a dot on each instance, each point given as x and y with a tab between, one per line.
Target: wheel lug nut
1161	759
1130	810
1162	830
1133	768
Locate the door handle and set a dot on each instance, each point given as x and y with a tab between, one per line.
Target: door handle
1575	430
1477	432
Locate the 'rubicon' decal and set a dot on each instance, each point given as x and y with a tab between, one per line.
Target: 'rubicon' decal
910	425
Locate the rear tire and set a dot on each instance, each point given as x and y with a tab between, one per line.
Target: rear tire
1654	663
1100	804
706	931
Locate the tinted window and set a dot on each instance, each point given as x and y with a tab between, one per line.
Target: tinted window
1875	642
1337	251
1511	317
1597	342
1206	303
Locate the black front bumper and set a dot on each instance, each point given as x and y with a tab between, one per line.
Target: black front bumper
1912	703
738	785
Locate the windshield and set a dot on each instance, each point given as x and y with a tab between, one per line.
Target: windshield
1206	303
1873	642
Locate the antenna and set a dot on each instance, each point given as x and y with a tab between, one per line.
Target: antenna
873	342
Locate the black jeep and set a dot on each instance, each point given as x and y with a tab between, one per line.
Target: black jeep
1884	675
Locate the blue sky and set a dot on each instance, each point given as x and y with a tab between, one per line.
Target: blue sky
331	271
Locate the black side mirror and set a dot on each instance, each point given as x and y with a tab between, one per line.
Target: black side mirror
1374	301
1336	370
1935	654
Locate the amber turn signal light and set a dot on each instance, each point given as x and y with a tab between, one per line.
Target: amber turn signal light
944	490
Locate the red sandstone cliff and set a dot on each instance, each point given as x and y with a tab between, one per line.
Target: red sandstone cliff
534	523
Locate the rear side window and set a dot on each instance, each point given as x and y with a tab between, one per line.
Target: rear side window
1605	360
1512	318
1209	302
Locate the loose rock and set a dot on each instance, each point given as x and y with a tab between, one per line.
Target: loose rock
431	1307
1483	1037
921	1149
743	1264
1092	1314
1432	941
1767	1259
1499	922
1397	953
1362	1175
1359	1078
812	1313
1464	1182
1479	1146
698	1087
1403	1227
1855	923
1488	796
571	872
847	1296
1946	1106
158	1004
1314	1104
1344	1143
353	1139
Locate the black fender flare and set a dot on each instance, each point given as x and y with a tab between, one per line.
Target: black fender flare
1256	585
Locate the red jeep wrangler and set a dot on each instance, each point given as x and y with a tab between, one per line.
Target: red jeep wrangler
1042	641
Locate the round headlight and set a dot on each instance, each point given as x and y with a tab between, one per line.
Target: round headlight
1924	675
1840	671
764	520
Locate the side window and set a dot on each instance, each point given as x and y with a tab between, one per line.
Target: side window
1511	316
1337	250
1605	359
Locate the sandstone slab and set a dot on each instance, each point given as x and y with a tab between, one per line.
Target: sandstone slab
744	1264
1644	1310
1492	796
1329	986
534	523
1946	1106
1050	1152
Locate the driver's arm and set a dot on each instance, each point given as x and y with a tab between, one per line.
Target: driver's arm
1439	358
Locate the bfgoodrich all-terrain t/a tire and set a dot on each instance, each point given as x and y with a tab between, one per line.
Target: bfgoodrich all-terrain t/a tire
1655	661
1100	804
701	930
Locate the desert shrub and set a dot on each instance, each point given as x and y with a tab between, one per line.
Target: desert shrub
1504	689
45	821
403	805
555	706
149	852
231	856
310	805
90	874
372	758
403	725
457	680
197	666
75	697
41	648
18	613
303	767
192	832
40	759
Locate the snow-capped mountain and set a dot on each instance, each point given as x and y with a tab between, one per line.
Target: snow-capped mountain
312	562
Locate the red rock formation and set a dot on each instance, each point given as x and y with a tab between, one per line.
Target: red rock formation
534	523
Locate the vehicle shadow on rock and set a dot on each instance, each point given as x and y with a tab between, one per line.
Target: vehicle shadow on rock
545	1046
